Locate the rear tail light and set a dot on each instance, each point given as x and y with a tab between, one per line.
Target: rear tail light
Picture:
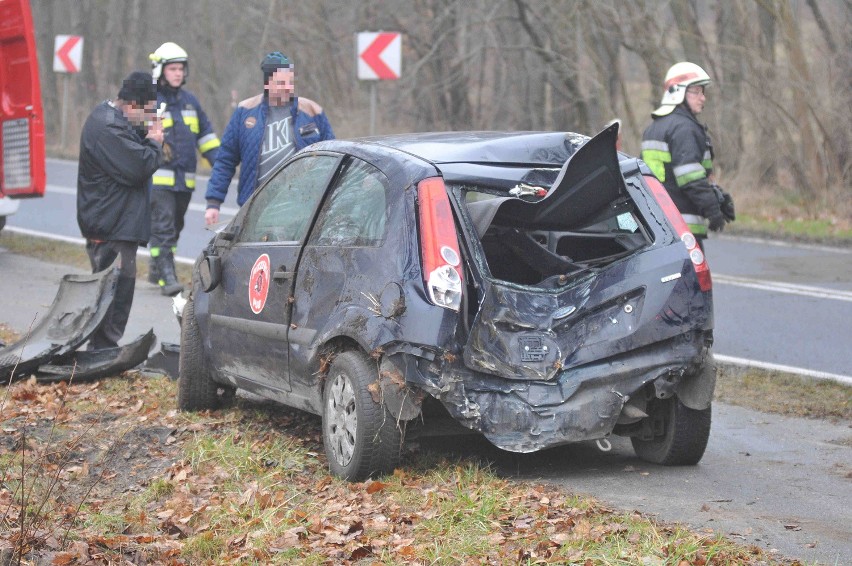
439	244
699	262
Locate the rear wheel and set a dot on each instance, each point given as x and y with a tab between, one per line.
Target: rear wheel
196	390
677	435
360	436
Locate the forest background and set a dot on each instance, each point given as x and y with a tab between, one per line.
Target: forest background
778	108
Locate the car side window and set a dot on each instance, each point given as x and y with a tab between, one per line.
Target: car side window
282	210
355	213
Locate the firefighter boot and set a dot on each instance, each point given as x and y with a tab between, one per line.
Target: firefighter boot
169	284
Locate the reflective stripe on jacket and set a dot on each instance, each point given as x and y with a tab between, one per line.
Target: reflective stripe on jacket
186	130
679	152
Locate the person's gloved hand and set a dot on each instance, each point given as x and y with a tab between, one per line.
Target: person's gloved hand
717	222
727	206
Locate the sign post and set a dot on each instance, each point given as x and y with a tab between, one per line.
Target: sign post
68	59
379	59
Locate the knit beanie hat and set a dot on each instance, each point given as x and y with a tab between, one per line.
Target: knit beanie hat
138	87
272	62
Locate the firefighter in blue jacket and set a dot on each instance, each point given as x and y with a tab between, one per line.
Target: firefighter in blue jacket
678	150
263	132
186	129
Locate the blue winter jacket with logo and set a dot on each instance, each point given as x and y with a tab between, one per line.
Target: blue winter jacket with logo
242	142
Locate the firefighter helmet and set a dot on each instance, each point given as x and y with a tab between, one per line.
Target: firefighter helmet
168	53
680	76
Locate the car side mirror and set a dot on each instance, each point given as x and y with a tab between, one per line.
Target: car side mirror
210	272
228	234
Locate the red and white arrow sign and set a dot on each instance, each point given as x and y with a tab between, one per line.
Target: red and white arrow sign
379	55
68	54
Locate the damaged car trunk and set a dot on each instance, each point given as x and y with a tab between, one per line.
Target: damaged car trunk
541	286
579	315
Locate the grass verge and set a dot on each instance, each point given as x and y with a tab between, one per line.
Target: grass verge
782	393
74	255
134	481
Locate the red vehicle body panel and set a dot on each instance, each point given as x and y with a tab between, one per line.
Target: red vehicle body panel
22	154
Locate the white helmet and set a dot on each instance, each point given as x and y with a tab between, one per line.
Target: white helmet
168	53
680	76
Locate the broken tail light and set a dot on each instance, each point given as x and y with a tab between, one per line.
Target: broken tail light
699	262
439	244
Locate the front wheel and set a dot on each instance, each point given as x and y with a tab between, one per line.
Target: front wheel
677	435
196	390
360	436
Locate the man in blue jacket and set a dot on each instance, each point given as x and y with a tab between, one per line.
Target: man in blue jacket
186	129
263	132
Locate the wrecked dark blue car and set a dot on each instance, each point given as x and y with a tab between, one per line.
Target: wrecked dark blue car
540	288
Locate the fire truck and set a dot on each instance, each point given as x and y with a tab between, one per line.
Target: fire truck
22	173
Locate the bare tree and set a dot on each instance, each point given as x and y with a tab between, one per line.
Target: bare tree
779	112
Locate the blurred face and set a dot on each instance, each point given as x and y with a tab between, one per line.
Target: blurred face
695	98
281	87
139	115
174	74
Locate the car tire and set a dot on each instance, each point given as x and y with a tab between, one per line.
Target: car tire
196	390
360	436
682	434
2	222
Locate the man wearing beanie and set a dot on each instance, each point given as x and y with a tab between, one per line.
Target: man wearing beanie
263	132
120	148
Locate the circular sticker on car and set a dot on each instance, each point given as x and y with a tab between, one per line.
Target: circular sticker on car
259	284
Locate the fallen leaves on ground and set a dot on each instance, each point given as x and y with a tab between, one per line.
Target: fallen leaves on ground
110	472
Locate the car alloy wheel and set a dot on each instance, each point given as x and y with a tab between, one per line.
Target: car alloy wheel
361	437
342	419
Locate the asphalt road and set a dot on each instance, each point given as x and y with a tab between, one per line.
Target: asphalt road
781	483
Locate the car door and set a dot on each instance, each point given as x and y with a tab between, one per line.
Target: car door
344	268
250	309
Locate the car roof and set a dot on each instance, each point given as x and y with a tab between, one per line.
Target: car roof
498	160
504	148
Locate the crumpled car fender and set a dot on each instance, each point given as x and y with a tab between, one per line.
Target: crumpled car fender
84	365
695	390
77	310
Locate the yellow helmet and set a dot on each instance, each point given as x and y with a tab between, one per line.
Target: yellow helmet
680	76
168	53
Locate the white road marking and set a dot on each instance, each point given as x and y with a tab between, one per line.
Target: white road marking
843	379
225	210
141	252
779	287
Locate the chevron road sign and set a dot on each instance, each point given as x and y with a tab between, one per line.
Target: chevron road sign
379	55
68	53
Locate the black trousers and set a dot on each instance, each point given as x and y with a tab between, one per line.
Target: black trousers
168	209
101	256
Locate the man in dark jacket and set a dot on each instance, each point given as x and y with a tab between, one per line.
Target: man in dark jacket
263	132
120	148
186	129
678	150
